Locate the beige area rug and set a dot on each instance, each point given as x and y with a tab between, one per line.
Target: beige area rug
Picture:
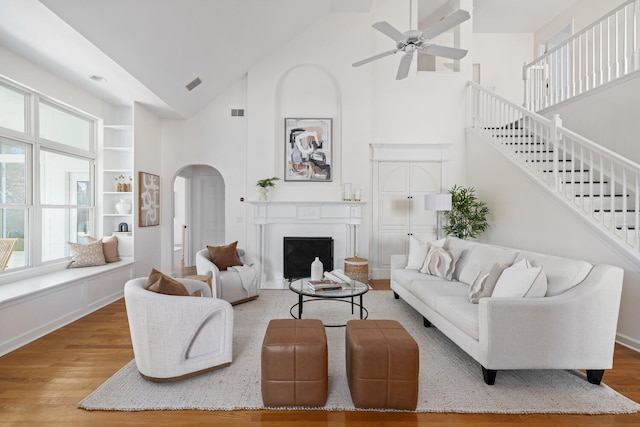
450	381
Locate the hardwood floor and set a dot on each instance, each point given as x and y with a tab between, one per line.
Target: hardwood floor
41	383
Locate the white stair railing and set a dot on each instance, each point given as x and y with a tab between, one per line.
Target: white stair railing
601	53
599	184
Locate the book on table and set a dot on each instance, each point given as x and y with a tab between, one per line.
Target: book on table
323	285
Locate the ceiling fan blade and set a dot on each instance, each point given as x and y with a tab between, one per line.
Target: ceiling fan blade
389	30
405	64
456	18
445	52
373	58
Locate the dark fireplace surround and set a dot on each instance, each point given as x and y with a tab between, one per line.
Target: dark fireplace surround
300	252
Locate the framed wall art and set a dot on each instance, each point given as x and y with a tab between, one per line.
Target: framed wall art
148	199
307	150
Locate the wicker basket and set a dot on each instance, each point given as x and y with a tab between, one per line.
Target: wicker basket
357	268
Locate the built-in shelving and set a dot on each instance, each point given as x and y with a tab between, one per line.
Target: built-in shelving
117	161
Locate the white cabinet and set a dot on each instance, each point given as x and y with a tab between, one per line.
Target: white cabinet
117	167
400	204
402	174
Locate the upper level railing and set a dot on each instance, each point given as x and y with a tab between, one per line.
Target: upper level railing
599	54
599	184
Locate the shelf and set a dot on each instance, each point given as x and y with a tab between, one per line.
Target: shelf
117	214
119	127
118	148
123	193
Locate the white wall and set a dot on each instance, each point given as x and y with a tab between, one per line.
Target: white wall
28	74
146	157
523	216
581	14
501	57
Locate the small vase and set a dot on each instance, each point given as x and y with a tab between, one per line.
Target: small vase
123	206
317	269
264	191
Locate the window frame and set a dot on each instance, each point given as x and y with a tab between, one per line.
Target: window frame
33	204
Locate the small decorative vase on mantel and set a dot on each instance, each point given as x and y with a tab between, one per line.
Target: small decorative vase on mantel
264	185
123	206
264	193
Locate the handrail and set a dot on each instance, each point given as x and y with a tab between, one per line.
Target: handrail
599	184
600	53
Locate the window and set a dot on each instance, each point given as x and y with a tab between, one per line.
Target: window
49	202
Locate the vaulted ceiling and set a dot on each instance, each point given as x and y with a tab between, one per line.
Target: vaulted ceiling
149	50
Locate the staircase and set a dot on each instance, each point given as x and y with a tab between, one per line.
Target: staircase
601	186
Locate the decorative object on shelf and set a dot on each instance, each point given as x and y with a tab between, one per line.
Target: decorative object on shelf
123	206
123	227
357	194
346	191
264	185
123	186
307	150
468	215
148	199
438	203
317	269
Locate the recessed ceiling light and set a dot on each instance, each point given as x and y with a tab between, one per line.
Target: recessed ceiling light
97	78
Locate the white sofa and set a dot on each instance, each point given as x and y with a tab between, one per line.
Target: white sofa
228	284
572	327
176	337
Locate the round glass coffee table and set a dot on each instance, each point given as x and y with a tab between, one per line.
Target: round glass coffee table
348	293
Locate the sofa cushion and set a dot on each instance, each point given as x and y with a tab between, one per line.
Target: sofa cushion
480	257
428	291
521	280
168	286
440	262
458	310
485	282
462	247
562	273
405	277
418	252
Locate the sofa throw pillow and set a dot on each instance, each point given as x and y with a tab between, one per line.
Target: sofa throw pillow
86	255
485	282
439	262
418	252
224	256
521	280
109	247
163	284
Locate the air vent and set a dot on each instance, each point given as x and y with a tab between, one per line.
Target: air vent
194	84
237	112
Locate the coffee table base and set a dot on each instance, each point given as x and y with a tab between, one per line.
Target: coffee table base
364	313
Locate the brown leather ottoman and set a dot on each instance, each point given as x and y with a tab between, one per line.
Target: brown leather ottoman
294	363
382	364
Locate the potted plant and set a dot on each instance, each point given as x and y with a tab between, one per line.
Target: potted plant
468	215
264	185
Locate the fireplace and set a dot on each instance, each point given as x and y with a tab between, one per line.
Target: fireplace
300	252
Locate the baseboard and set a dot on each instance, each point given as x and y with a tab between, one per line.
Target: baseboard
628	342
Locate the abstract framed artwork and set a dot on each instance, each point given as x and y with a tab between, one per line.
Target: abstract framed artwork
148	199
307	150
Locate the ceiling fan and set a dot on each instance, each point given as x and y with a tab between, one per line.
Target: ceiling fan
417	40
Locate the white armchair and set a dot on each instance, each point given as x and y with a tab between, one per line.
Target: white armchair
176	337
228	284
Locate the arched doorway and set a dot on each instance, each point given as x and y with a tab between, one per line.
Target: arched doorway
199	211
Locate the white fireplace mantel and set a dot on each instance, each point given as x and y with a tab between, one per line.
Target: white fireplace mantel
317	213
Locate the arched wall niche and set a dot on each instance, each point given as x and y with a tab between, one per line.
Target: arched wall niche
309	91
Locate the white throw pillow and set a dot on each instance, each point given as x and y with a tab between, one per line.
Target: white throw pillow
485	282
440	262
521	280
418	252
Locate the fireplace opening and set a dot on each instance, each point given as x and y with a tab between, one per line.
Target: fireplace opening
300	252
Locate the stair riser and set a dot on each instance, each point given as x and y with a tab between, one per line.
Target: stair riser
604	203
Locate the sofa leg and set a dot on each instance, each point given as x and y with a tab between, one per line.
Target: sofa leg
489	375
426	322
594	376
395	295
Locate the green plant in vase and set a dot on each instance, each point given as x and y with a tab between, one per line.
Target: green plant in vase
468	215
264	185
